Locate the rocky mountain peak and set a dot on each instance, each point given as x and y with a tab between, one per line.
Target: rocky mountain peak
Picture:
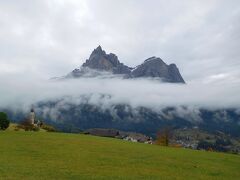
157	68
100	60
152	67
99	48
153	60
98	51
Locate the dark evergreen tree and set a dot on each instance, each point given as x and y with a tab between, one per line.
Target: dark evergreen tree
4	122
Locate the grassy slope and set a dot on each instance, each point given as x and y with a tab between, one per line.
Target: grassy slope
31	155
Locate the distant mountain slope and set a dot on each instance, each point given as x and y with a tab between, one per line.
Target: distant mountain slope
71	117
99	61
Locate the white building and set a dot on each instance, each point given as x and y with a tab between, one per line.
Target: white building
32	116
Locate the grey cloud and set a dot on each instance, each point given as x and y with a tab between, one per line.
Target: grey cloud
53	37
105	92
45	38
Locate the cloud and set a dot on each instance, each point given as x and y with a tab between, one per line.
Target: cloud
51	38
47	38
105	92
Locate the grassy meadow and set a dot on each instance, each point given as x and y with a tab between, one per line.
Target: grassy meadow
41	155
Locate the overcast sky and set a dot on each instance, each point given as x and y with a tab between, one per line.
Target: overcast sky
51	37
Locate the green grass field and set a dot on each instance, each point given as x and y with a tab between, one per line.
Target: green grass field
41	155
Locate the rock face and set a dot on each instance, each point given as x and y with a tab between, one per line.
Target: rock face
155	67
100	62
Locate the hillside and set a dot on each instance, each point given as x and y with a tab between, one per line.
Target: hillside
40	155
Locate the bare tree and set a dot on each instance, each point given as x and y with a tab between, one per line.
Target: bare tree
163	136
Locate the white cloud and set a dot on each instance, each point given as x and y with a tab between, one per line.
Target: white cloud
135	92
54	37
46	38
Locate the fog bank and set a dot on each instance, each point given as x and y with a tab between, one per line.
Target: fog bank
23	92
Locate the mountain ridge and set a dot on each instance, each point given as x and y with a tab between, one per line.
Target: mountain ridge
152	67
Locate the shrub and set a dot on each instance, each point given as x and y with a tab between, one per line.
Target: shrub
48	128
27	126
4	122
163	137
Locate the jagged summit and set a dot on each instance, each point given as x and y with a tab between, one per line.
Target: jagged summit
98	50
154	67
99	60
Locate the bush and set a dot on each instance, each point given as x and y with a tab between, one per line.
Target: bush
27	126
35	128
4	122
48	128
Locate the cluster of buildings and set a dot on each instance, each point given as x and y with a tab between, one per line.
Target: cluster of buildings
127	136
